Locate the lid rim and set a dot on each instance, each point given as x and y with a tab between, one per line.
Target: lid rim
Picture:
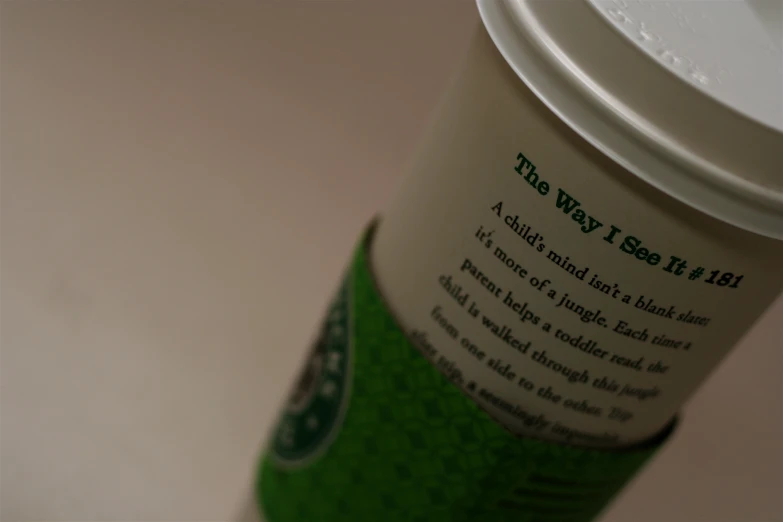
649	133
646	152
748	206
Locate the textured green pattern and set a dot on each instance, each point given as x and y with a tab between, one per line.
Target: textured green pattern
413	447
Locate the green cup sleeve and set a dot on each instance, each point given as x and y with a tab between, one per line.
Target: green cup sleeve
395	440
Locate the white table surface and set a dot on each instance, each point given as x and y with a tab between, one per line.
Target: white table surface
182	183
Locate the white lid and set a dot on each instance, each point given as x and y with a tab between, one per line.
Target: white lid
688	95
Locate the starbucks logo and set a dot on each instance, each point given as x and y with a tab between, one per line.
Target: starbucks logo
316	406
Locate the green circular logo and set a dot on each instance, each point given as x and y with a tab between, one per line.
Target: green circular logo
317	404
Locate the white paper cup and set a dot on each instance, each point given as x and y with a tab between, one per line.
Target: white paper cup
592	221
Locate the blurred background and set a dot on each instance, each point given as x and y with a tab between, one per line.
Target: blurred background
182	184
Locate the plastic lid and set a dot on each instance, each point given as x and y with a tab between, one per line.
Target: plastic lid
688	95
